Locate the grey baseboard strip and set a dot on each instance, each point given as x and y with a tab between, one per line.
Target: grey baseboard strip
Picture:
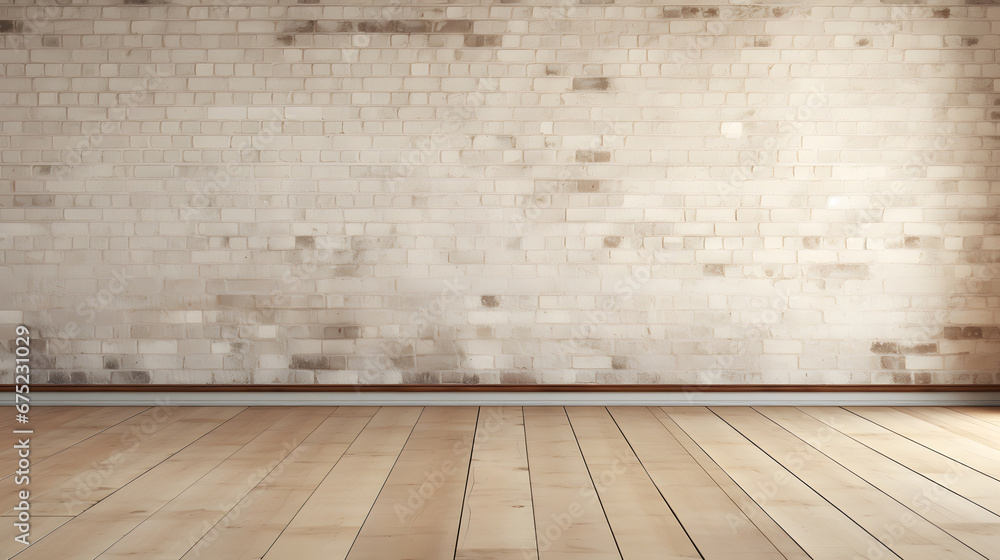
485	398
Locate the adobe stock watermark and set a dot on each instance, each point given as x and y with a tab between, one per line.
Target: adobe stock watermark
257	480
95	134
219	179
428	147
89	482
433	480
325	250
762	320
38	20
929	496
87	310
401	354
767	490
559	523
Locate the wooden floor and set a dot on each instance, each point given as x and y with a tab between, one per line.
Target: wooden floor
368	483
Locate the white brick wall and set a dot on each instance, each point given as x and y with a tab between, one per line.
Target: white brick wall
525	191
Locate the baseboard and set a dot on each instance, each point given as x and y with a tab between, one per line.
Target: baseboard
524	396
505	388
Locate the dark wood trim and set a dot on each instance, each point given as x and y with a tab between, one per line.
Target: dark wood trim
463	388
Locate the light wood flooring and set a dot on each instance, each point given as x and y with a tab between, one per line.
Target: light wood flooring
468	483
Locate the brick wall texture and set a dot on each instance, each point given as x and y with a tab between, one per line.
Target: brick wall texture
500	191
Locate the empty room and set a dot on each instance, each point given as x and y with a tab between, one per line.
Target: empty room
499	280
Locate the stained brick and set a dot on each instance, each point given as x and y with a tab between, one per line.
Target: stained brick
376	26
482	40
893	362
302	361
919	348
963	333
342	332
714	270
130	377
453	26
593	84
593	156
884	347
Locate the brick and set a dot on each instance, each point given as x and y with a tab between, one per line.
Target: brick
893	362
919	348
592	362
297	177
482	40
591	84
342	332
592	156
884	347
840	270
962	333
9	26
304	361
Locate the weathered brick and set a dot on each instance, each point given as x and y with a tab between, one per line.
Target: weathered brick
919	348
342	332
593	156
592	84
963	333
893	362
303	361
885	347
482	40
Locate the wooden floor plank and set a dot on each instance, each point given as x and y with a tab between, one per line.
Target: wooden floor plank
497	519
329	521
95	530
77	478
175	528
785	544
250	528
569	521
822	530
984	413
974	454
907	534
642	523
979	431
718	527
964	481
973	525
418	511
46	442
